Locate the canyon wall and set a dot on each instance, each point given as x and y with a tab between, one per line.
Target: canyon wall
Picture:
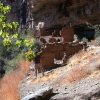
54	12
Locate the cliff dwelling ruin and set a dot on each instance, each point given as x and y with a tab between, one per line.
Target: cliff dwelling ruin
62	20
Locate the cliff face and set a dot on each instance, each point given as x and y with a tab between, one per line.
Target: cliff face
54	12
65	12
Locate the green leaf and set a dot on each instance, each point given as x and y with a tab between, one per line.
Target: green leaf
15	36
0	32
7	42
5	35
19	43
15	25
9	26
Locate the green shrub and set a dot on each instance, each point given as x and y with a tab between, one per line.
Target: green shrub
11	65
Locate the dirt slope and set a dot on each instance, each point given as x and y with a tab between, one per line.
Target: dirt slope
78	80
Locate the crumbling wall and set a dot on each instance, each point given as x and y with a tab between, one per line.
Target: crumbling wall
46	32
49	53
47	60
67	34
72	48
57	50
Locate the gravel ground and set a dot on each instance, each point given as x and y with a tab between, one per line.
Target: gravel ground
87	88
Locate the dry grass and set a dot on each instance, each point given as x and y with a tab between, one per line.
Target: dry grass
76	74
9	84
82	65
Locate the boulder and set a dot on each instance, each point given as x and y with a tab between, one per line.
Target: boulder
40	94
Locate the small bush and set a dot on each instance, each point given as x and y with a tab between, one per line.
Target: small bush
30	55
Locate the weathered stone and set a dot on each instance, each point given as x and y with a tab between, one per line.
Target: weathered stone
40	94
67	34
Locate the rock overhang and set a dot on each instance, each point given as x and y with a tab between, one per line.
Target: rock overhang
38	4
